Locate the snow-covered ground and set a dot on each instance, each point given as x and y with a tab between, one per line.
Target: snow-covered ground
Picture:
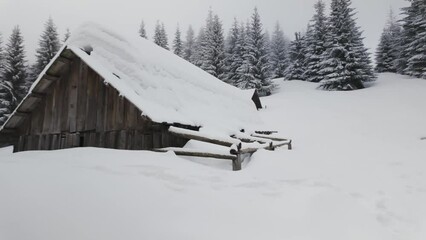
357	171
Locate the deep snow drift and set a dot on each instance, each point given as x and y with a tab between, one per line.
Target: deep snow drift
357	171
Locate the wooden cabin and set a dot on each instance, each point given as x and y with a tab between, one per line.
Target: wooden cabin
71	106
75	103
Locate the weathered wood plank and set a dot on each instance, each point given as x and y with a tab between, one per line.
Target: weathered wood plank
121	141
82	97
100	110
73	96
91	105
190	134
196	153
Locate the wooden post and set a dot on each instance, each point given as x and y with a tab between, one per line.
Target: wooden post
290	146
236	164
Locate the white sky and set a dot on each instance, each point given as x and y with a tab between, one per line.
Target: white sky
125	15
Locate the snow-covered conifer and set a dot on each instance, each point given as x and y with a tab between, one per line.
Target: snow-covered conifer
66	35
177	43
234	52
414	51
6	90
189	44
388	49
199	47
49	45
160	36
296	69
142	31
315	41
15	74
211	49
346	62
256	56
278	53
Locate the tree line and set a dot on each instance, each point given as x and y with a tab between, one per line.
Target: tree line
330	52
16	75
402	47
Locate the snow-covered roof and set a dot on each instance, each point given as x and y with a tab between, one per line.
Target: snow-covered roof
165	87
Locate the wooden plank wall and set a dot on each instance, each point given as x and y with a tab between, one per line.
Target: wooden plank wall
81	110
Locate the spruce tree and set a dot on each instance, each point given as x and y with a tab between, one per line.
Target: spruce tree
388	49
214	58
15	74
346	62
67	35
199	47
278	53
213	48
7	98
296	70
142	31
177	43
246	78
257	55
160	36
234	52
315	43
49	45
416	45
189	44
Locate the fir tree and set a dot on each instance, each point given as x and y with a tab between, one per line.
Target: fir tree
387	52
7	97
346	62
246	78
177	43
213	48
234	52
415	47
160	36
199	47
67	35
142	31
15	74
278	53
296	69
256	56
49	45
315	44
189	44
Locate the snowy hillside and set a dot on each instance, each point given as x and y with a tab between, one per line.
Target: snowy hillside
357	171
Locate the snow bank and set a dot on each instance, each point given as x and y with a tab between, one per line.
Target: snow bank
357	171
164	86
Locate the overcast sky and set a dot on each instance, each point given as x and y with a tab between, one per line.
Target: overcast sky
125	15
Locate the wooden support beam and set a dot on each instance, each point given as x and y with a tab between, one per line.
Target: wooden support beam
236	164
64	60
249	139
23	112
20	114
268	137
50	78
190	134
7	130
194	153
37	95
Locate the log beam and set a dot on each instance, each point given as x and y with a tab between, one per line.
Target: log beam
193	153
190	134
